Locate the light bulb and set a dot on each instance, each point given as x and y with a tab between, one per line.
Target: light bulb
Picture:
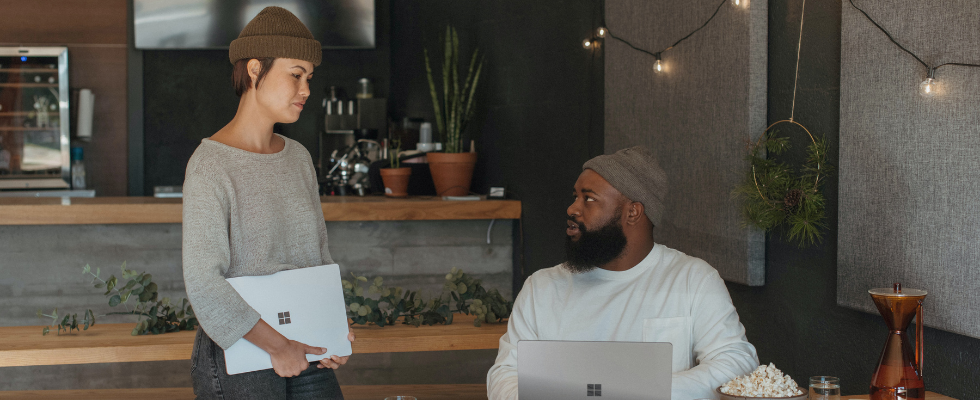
600	32
736	3
658	66
928	87
587	44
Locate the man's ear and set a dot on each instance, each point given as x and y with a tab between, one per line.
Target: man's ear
635	212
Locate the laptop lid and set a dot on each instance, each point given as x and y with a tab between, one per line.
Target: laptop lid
304	304
593	370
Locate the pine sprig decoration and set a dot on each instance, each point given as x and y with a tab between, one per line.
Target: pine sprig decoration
461	294
775	196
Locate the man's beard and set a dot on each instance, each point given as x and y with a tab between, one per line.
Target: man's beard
595	247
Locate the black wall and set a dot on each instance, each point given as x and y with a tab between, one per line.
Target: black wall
794	320
540	108
188	96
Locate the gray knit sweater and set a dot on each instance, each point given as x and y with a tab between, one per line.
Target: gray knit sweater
246	214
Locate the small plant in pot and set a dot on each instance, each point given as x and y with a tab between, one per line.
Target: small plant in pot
395	177
452	170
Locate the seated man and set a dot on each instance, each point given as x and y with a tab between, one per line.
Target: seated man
618	285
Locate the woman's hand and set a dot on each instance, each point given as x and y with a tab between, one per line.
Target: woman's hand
290	359
334	362
288	356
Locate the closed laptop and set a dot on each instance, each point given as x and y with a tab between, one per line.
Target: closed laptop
549	370
304	304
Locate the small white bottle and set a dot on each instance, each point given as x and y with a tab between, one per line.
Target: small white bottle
77	169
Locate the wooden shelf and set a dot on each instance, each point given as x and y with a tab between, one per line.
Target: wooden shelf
109	343
24	113
29	85
21	128
351	392
30	70
150	210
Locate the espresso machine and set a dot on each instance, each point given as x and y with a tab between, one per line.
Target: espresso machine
351	139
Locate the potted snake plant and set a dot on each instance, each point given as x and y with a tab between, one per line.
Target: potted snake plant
452	170
395	177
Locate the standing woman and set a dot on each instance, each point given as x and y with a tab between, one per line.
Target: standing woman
251	207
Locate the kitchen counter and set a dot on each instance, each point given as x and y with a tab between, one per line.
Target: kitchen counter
150	210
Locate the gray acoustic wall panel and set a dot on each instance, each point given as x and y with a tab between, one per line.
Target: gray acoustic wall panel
697	116
909	165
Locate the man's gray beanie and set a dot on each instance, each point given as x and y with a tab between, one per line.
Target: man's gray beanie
637	175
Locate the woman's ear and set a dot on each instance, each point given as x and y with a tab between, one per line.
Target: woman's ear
254	68
634	212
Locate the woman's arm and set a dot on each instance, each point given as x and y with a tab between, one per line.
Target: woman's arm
206	253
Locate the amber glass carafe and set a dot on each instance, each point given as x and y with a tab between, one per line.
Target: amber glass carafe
899	372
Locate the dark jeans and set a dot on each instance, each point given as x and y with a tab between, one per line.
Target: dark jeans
212	382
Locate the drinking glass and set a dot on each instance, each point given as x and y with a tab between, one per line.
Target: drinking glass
824	388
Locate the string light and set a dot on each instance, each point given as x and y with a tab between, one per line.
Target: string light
736	3
658	66
928	87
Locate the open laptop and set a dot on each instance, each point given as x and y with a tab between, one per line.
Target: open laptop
593	370
304	304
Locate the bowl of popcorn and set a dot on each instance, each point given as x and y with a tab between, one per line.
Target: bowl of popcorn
766	382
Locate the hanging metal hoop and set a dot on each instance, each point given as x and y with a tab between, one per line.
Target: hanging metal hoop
765	135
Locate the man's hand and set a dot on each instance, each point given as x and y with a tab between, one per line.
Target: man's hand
334	362
290	359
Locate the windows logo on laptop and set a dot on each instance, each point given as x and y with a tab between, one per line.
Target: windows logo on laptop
594	389
284	318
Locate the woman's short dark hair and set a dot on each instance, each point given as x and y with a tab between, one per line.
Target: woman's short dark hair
241	79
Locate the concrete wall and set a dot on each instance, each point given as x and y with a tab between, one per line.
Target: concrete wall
41	268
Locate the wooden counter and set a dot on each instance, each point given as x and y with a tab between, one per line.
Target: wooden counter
150	210
929	396
105	343
351	392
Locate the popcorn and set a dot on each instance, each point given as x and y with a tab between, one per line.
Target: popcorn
765	381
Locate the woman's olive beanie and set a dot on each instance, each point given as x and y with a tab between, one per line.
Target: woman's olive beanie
276	32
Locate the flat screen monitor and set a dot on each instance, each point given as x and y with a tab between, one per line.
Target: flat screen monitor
213	24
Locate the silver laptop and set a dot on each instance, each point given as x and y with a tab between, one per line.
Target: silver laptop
305	304
593	370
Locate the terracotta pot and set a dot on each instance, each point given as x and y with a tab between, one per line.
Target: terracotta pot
452	172
396	181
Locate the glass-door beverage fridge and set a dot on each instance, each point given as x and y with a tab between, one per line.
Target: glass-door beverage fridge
34	120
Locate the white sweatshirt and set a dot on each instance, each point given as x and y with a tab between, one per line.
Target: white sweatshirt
667	297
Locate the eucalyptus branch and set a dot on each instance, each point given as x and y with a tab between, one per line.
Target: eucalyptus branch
153	315
461	294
